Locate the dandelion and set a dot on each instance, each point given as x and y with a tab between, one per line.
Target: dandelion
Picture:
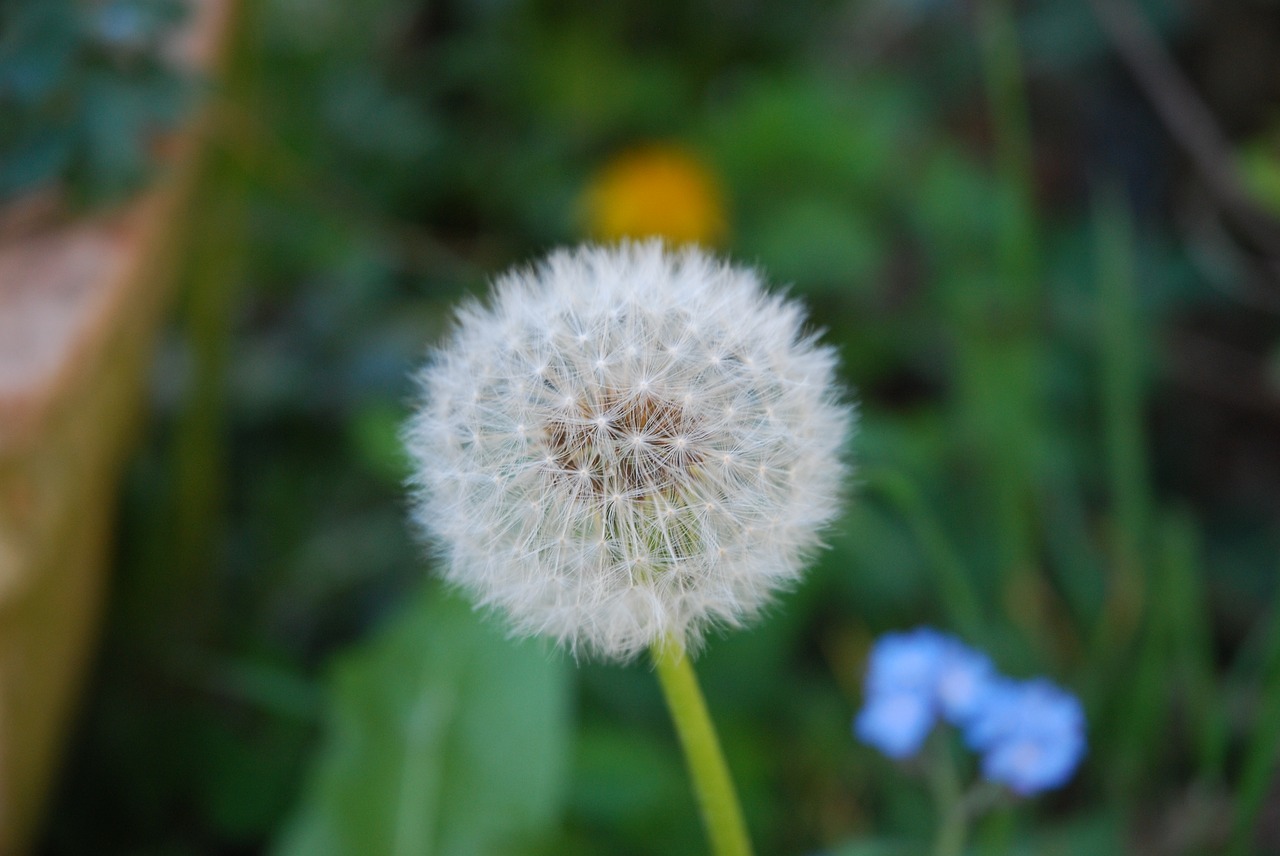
624	448
628	445
655	191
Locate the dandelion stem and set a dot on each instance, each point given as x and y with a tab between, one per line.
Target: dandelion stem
717	799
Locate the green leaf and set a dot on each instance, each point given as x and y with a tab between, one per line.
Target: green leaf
443	738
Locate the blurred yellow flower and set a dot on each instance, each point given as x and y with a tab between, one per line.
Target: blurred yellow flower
658	190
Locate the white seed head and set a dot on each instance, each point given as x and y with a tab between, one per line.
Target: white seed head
627	445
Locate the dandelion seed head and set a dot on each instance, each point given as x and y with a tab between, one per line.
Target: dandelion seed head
668	440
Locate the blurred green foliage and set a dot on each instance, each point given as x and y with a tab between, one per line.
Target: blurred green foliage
84	92
1039	469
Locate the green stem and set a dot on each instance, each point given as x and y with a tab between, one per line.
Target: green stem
953	812
717	799
952	833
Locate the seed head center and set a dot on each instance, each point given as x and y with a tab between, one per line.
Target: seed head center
632	444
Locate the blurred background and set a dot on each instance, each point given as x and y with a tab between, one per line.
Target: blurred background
1045	243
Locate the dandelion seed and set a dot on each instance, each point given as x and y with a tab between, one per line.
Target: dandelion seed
631	452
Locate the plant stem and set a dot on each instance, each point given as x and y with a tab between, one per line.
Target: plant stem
952	833
953	812
721	813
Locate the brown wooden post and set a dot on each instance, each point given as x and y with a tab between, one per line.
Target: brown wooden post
80	304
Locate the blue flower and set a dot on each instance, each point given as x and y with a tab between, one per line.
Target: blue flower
905	662
1031	734
896	724
964	677
901	704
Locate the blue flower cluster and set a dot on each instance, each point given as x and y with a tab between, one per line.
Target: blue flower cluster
1030	733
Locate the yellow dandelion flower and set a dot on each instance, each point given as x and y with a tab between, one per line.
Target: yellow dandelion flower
655	191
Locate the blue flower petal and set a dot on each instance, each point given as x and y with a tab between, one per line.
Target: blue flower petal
895	723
